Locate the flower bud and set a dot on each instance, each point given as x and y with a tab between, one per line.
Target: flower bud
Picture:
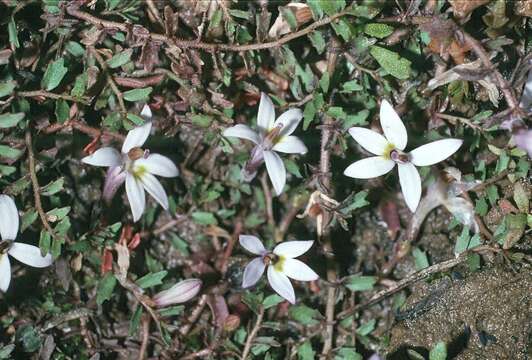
179	293
232	322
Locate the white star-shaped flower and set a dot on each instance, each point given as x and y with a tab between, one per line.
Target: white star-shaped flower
281	265
135	166
27	254
273	136
389	150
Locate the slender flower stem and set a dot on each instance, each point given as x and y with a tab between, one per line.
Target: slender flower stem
268	198
253	334
51	95
325	180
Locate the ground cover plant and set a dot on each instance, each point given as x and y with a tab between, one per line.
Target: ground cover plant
217	179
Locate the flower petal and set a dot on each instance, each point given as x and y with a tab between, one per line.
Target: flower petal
281	284
136	137
369	168
106	156
410	185
114	178
146	112
373	142
8	218
276	171
434	152
243	132
266	115
29	255
292	249
5	272
290	119
393	127
298	270
179	293
159	165
252	244
155	189
135	196
290	145
253	272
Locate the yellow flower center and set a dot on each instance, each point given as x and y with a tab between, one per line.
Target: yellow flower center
279	265
139	171
387	150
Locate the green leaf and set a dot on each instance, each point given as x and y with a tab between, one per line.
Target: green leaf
13	34
493	194
308	114
135	321
348	354
292	168
289	17
135	119
305	351
106	287
481	206
391	62
53	188
351	86
5	352
138	94
420	259
515	228
378	30
204	218
10	120
9	152
366	328
75	48
521	197
201	120
29	337
359	282
55	72
272	300
317	40
45	242
342	28
171	311
438	352
7	87
151	279
304	315
331	7
62	111
324	82
120	59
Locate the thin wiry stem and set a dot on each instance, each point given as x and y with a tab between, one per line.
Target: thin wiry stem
253	334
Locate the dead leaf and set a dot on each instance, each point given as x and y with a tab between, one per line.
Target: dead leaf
301	13
462	8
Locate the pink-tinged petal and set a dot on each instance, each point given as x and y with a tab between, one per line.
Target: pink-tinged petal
253	272
373	142
523	140
393	126
106	156
135	196
410	185
434	152
113	180
252	244
369	168
243	132
266	115
136	137
281	284
298	270
8	218
276	171
290	145
181	292
5	272
159	165
252	165
292	249
29	255
289	120
155	189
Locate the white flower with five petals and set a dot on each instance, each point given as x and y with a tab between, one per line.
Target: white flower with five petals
273	136
27	254
135	166
389	150
281	265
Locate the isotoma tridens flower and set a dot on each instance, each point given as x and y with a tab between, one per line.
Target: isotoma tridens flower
27	254
136	167
280	263
389	150
272	136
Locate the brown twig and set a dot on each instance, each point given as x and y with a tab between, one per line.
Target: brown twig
196	313
415	277
194	44
230	246
82	127
325	158
253	334
36	187
145	337
42	93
